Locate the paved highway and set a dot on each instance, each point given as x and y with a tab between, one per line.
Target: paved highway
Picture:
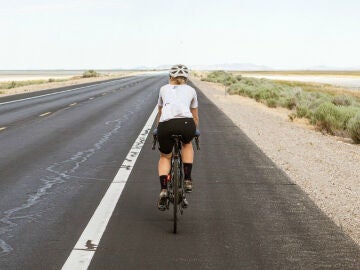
61	151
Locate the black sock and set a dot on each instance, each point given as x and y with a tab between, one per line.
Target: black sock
163	181
187	171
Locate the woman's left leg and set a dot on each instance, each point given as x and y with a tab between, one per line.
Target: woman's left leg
187	153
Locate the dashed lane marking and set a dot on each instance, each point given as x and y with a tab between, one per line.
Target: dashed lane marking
72	104
56	93
2	128
82	253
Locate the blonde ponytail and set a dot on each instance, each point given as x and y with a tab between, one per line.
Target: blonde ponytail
178	80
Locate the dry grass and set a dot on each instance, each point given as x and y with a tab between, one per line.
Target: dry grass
329	108
304	72
320	87
14	84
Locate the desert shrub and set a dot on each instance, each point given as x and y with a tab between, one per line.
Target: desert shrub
229	81
12	85
241	89
90	73
272	103
333	118
353	128
217	76
269	94
347	113
329	112
342	100
302	110
51	80
234	89
289	102
195	74
325	117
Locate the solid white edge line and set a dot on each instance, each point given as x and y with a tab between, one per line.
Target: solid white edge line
50	94
85	248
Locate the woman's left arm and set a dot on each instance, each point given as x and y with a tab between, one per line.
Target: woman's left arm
195	114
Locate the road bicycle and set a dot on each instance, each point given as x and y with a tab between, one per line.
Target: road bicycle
175	187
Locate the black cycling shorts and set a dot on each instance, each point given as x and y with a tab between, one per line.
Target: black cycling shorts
179	126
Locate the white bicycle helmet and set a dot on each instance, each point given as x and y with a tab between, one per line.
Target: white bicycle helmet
179	71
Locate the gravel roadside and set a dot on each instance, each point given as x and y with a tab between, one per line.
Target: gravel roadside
325	167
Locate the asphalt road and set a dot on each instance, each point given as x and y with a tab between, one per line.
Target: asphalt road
59	154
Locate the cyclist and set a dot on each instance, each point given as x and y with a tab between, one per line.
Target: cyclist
178	114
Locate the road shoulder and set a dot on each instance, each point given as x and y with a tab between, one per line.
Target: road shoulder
323	166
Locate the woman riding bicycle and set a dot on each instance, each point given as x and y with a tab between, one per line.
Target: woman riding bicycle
178	115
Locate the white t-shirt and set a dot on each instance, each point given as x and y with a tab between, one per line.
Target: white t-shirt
176	101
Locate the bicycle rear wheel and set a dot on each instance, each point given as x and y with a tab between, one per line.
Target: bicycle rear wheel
176	180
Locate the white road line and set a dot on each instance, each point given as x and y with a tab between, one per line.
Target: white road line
70	90
2	128
85	248
72	104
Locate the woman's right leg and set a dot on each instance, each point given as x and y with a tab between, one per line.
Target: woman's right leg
164	165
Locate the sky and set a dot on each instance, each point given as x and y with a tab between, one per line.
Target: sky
108	34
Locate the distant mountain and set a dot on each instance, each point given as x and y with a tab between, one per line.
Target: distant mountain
141	68
163	67
319	68
160	67
232	66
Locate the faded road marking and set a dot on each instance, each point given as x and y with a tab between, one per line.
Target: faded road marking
44	114
56	93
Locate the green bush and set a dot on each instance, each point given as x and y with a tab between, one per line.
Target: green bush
12	85
302	110
290	103
90	73
51	80
333	118
342	100
329	111
272	103
353	127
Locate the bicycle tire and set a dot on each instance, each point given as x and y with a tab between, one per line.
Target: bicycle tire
176	193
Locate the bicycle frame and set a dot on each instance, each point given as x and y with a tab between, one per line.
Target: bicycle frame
175	187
